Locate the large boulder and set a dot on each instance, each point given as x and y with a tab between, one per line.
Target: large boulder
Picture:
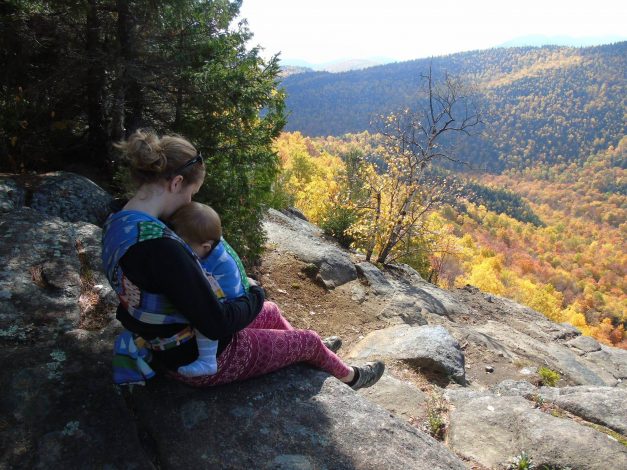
40	275
601	405
430	347
66	195
72	197
492	430
540	347
59	408
51	276
294	418
375	278
292	234
411	288
398	397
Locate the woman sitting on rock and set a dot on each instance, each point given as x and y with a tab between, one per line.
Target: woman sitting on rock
164	293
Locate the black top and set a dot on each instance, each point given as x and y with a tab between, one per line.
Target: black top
164	266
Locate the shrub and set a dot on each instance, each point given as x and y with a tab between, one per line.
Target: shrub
436	426
549	377
336	221
521	462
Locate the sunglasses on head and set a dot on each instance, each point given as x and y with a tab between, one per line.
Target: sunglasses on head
193	161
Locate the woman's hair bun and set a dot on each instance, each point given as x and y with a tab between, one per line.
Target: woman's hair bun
144	152
152	158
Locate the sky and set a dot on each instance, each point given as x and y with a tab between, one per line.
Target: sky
320	31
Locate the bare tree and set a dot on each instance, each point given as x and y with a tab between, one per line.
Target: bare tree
413	139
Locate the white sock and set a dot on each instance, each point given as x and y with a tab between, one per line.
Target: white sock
206	364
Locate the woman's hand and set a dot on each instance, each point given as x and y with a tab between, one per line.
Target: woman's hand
252	282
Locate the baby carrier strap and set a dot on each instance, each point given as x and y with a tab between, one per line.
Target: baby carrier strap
122	231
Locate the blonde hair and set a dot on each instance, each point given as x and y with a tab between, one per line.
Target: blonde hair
196	223
152	158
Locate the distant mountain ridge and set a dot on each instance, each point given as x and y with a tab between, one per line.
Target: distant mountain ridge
547	104
335	66
538	40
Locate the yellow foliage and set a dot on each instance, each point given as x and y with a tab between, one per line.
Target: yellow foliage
543	298
485	276
309	176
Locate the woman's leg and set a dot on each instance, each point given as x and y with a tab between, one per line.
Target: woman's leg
255	352
270	318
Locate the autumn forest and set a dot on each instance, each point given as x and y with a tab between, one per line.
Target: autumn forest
561	251
505	169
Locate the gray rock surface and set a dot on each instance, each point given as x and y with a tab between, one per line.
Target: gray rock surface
492	430
403	307
42	261
358	292
12	195
584	344
431	347
611	360
398	397
410	288
296	416
72	197
66	195
506	329
60	410
543	349
375	278
601	405
304	240
39	267
519	388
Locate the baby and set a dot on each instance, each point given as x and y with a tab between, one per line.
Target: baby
200	226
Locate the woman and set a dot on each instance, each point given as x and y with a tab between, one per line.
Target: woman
164	293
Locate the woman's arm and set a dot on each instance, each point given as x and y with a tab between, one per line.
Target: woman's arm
164	266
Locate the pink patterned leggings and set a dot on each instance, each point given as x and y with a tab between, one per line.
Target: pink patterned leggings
267	344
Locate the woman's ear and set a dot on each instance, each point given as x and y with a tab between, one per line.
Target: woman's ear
176	184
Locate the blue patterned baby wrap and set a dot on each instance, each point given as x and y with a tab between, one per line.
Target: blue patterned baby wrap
225	272
121	231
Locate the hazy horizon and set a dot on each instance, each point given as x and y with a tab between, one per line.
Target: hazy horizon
528	41
326	31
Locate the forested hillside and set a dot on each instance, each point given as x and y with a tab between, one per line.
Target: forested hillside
541	105
556	244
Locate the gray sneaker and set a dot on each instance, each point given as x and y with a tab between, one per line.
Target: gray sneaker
369	374
334	343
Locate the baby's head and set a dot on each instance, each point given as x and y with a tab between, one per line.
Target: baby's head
199	225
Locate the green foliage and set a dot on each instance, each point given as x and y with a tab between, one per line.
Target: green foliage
436	425
415	252
280	198
81	75
337	220
436	409
521	462
501	201
548	376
